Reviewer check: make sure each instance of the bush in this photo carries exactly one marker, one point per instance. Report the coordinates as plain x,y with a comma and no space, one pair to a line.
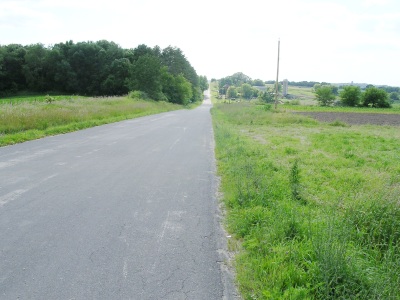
350,96
374,97
138,95
324,95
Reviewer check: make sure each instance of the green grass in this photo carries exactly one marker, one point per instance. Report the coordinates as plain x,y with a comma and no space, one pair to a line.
314,207
36,98
31,119
305,94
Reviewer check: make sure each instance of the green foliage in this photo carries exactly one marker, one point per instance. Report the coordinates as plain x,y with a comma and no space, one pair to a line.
138,95
324,95
266,96
96,68
247,91
375,97
350,95
203,82
236,79
295,181
231,92
146,76
394,96
258,82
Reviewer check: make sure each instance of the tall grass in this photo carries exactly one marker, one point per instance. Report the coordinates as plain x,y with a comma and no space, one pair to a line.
315,207
26,120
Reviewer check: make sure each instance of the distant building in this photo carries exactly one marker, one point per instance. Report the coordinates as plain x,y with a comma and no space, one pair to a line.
285,84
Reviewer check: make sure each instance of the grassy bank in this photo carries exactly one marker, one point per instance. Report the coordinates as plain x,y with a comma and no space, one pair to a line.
31,119
313,208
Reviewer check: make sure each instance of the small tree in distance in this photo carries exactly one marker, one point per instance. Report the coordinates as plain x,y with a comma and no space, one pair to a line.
350,95
247,91
375,97
324,95
231,92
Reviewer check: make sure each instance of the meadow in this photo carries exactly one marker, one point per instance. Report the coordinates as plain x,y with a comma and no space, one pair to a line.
28,118
313,208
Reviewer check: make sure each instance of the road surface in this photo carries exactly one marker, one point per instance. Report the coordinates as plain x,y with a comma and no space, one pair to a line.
120,211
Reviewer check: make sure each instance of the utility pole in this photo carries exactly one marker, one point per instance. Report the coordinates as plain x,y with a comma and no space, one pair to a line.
277,75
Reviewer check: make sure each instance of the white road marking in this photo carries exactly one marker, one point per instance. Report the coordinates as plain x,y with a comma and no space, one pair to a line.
173,145
11,196
125,269
22,159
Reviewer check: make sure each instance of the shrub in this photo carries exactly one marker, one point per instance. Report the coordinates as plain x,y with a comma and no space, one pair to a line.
374,97
324,95
350,95
137,95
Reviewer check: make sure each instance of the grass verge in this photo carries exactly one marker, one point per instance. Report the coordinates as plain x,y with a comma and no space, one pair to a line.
315,208
27,120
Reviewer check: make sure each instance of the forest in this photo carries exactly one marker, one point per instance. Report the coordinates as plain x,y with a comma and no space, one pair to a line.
99,68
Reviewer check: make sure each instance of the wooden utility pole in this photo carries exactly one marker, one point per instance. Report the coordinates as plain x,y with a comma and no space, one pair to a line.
277,75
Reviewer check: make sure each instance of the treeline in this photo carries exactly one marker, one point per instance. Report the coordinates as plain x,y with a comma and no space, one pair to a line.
99,68
242,86
238,79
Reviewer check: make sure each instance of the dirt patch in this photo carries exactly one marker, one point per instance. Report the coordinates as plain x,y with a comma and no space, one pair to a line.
355,118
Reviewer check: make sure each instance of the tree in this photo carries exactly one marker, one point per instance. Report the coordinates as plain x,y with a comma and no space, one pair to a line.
350,95
177,64
258,82
324,95
203,83
394,96
34,67
184,90
231,92
266,96
375,97
176,89
316,86
247,91
146,76
13,59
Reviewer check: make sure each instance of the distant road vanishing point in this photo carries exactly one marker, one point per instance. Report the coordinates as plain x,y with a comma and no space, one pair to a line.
121,211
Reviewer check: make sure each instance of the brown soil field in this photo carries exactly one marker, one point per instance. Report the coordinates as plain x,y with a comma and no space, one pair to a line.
355,118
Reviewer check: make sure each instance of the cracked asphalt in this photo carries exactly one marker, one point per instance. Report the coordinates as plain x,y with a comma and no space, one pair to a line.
121,211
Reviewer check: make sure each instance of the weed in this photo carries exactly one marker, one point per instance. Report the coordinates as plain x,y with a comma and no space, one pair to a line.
295,181
338,123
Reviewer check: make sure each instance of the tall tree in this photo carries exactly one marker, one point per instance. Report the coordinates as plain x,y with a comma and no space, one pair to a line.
146,76
13,59
203,83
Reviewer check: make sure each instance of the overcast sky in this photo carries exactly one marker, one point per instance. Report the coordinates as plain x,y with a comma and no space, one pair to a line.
321,40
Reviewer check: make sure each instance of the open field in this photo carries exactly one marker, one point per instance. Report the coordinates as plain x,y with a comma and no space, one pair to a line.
302,93
355,118
30,119
313,207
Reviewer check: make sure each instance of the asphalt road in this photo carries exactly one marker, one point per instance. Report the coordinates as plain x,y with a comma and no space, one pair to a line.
121,211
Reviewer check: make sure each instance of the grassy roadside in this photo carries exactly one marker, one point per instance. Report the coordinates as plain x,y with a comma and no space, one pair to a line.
313,207
27,120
